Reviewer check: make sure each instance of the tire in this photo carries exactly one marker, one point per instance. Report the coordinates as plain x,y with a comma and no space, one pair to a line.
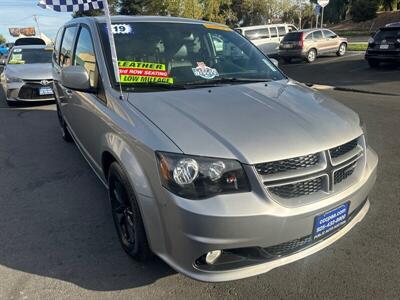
342,49
311,55
373,63
126,215
63,126
10,103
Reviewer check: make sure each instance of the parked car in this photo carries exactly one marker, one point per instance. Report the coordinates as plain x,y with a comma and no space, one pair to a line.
308,44
4,48
214,160
384,46
267,37
27,74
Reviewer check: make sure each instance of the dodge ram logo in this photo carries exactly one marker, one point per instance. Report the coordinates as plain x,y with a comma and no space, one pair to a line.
45,82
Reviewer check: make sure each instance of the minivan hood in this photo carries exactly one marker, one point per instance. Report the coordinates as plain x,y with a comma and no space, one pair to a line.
252,123
30,71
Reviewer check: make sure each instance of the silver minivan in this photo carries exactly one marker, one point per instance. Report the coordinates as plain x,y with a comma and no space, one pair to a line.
214,160
267,37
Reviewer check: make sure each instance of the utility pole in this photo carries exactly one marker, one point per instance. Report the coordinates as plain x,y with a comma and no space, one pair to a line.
37,23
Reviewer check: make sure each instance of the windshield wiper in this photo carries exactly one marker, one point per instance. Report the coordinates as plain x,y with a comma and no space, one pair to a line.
222,80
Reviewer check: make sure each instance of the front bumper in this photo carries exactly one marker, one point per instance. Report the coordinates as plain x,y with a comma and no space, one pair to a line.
295,53
26,92
190,228
389,56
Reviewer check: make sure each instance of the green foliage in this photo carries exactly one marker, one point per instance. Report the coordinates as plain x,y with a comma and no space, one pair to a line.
336,11
388,5
2,39
363,10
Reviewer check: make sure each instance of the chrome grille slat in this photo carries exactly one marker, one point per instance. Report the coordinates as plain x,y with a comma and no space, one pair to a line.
311,177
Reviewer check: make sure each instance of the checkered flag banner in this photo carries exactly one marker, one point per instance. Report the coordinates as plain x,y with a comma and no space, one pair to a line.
71,5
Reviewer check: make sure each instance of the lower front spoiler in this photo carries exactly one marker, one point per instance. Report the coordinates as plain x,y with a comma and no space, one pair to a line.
220,276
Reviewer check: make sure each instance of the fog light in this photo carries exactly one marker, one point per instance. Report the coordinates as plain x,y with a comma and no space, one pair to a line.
212,256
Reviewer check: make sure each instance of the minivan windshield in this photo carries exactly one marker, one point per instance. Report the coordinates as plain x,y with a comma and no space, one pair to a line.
160,55
30,56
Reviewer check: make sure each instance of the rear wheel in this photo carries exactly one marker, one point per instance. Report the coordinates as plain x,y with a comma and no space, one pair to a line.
342,49
373,63
311,55
126,214
63,126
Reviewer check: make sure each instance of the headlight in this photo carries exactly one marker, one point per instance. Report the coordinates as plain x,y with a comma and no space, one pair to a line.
195,177
371,40
13,79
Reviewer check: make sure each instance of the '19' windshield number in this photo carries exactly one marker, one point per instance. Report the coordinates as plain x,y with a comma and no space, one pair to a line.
121,29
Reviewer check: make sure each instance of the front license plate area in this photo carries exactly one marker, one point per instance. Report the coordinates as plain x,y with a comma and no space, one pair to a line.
384,46
328,222
45,91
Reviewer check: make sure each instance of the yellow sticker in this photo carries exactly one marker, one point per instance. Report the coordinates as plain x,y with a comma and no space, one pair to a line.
216,26
141,65
146,79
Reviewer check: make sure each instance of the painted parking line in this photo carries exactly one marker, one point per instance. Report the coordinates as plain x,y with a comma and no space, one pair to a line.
324,60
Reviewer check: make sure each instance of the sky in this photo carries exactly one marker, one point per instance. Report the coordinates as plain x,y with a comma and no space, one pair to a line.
19,13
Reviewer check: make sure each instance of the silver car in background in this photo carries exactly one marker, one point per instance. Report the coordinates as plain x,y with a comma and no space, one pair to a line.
214,160
27,74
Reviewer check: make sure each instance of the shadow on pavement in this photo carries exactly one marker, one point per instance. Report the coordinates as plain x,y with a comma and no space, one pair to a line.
55,217
350,71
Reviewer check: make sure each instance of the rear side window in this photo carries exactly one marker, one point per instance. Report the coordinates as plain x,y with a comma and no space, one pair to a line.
293,36
281,30
85,55
256,34
292,28
57,44
67,46
273,31
317,35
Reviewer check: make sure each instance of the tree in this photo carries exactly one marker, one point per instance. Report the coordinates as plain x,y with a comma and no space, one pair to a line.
388,5
2,39
132,7
363,10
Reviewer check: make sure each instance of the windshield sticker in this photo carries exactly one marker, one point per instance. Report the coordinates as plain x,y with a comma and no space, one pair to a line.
218,27
122,29
269,64
204,72
143,72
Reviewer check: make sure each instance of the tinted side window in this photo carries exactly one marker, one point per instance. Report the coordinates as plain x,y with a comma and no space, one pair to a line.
317,35
66,46
57,44
329,34
309,37
85,55
273,31
281,30
257,34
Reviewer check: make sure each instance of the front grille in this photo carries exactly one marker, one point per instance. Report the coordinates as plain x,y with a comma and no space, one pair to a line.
307,241
296,163
31,91
298,189
343,149
344,173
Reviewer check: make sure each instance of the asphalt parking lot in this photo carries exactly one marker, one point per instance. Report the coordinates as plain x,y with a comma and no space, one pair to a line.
58,240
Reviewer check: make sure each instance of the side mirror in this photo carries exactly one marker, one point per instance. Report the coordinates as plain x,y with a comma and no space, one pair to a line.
76,78
274,61
334,36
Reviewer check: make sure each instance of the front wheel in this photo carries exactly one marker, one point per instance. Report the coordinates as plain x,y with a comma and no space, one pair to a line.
342,49
311,55
126,214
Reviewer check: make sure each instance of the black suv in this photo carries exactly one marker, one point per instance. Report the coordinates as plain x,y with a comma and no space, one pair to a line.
384,46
